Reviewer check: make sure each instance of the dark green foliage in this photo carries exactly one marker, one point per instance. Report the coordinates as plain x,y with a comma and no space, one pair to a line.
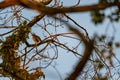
11,60
97,17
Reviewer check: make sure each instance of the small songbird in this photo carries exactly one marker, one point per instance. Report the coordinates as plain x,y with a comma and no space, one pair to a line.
36,38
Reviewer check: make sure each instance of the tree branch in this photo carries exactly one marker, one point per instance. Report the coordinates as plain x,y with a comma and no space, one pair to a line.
87,52
50,10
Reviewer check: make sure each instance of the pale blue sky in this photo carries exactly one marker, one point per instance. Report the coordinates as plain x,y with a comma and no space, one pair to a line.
66,61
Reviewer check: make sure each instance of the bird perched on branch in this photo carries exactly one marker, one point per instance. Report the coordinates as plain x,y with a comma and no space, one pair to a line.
45,2
36,38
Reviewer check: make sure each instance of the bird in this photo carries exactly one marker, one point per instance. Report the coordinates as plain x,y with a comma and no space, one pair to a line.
36,38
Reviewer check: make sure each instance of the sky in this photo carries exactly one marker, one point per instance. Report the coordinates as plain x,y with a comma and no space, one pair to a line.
66,61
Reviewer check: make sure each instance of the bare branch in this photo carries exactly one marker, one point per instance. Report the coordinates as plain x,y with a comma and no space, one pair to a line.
87,52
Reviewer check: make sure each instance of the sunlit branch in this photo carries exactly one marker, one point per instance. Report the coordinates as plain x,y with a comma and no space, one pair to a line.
50,10
87,52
